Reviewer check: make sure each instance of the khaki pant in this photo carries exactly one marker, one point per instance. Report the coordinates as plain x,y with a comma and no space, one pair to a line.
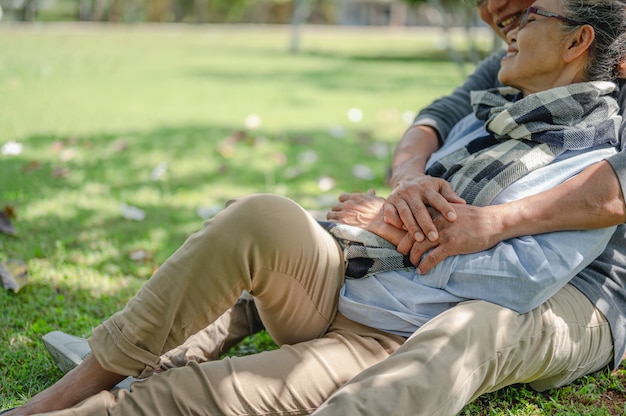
475,348
269,247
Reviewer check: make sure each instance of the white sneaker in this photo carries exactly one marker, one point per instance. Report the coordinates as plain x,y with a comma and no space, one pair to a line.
68,351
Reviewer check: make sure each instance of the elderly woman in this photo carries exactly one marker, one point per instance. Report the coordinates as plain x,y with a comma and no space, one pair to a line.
270,247
519,142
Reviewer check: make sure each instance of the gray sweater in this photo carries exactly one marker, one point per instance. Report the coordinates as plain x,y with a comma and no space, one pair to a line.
604,280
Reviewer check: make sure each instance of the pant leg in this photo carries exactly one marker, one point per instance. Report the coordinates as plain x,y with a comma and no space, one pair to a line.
210,343
478,347
264,244
293,380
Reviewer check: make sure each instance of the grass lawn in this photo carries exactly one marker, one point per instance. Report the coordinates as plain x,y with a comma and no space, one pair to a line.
175,121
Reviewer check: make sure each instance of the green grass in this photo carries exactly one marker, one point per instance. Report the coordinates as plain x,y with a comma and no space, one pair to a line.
98,108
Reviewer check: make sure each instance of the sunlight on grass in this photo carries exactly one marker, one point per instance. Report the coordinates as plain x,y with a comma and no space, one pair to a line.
175,121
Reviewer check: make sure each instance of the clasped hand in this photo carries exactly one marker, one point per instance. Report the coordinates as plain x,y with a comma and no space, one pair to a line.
423,218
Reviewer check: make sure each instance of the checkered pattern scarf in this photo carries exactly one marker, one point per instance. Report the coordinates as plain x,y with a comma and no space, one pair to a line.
527,134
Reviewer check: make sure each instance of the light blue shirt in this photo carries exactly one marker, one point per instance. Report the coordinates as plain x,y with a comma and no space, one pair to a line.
520,273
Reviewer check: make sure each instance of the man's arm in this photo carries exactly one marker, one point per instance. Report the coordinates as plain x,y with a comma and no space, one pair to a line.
406,207
592,199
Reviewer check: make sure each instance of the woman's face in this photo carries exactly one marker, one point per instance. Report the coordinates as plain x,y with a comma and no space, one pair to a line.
534,60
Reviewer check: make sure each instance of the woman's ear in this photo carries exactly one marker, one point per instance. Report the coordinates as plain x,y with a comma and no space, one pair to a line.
579,43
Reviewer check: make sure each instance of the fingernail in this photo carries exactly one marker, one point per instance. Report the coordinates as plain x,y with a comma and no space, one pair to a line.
419,237
432,236
452,215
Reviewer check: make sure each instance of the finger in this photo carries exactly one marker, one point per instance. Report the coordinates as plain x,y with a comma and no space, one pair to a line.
425,222
431,259
441,204
344,197
411,216
419,249
405,245
448,192
391,216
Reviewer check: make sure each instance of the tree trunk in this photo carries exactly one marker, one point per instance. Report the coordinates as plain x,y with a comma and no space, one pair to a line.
301,11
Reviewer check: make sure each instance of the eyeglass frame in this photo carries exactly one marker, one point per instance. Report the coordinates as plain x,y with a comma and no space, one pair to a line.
523,20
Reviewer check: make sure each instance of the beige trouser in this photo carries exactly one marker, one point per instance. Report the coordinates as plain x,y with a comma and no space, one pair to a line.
270,247
471,349
475,348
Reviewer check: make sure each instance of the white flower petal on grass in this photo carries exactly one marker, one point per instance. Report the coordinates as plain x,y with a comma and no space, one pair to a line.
159,171
326,183
355,115
326,200
12,148
408,117
209,212
253,121
293,172
379,150
308,157
337,132
132,213
363,172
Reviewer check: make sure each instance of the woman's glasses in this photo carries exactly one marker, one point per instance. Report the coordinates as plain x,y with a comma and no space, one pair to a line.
523,20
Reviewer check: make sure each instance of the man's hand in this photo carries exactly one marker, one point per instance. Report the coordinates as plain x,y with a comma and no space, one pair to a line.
407,206
475,229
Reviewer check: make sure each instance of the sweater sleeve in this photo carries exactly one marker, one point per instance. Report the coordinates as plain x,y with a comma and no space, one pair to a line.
445,112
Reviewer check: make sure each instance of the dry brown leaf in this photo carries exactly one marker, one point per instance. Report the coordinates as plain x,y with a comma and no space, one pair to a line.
61,172
31,166
5,224
10,211
14,274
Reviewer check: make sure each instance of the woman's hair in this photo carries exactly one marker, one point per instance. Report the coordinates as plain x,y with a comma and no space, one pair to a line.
608,19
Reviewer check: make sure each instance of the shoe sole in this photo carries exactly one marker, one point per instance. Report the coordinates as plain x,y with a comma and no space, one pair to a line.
56,343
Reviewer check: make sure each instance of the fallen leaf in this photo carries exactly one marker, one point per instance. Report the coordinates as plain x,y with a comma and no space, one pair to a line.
132,213
10,211
14,274
363,172
62,172
57,146
5,224
31,166
159,171
208,212
308,157
12,148
119,145
355,115
326,183
253,121
140,255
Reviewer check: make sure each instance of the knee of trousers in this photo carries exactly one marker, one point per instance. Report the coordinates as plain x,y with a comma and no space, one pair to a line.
269,223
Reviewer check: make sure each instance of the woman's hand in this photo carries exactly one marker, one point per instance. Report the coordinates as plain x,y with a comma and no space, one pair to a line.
358,210
365,211
408,206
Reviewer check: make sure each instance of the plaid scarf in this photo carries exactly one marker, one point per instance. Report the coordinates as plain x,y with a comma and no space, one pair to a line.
525,134
528,134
